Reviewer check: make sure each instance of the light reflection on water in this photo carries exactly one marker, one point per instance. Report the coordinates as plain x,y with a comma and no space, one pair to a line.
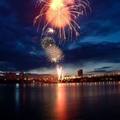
60,104
17,96
73,101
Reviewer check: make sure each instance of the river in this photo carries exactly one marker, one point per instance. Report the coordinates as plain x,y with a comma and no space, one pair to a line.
73,101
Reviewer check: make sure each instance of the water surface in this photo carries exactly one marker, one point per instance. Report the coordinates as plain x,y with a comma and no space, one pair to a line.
87,101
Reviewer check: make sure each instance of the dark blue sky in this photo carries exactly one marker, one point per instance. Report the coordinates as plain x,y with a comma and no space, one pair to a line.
98,47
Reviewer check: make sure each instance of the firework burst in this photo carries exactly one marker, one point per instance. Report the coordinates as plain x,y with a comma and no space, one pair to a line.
60,74
53,52
61,16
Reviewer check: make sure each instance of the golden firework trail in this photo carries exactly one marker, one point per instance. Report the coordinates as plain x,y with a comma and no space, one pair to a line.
60,74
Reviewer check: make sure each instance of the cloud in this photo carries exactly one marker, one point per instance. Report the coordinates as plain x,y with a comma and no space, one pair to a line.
107,52
103,69
7,66
103,20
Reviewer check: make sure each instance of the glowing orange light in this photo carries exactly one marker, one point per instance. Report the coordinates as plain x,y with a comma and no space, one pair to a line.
58,15
62,16
56,4
69,2
60,109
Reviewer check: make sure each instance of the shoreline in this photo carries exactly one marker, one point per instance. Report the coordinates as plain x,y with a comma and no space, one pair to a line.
39,82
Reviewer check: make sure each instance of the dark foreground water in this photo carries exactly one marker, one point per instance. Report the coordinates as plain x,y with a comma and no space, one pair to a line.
91,101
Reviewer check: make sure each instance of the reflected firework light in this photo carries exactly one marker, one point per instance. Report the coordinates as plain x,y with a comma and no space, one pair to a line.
53,52
61,15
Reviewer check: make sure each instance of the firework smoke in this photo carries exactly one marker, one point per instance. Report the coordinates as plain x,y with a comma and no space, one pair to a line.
53,52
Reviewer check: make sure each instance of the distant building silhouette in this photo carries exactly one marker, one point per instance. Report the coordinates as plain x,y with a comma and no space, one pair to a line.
80,72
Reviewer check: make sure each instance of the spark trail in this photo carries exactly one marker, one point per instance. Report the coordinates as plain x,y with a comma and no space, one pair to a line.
61,16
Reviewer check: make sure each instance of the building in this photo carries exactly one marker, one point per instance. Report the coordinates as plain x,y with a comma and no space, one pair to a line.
80,72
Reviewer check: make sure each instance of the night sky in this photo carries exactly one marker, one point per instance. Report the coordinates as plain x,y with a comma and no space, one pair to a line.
97,49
